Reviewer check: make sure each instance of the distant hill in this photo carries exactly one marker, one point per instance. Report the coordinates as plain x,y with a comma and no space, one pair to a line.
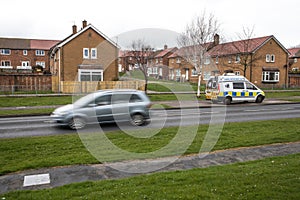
154,37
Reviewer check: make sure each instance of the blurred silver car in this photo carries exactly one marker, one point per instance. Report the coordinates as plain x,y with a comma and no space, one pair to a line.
105,106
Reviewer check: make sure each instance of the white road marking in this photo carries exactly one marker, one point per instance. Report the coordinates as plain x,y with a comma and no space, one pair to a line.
38,179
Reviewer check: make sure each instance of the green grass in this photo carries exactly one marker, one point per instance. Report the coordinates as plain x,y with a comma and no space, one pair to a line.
271,178
23,112
34,101
49,151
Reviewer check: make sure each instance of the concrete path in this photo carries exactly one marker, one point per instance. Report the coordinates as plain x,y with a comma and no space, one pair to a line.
58,176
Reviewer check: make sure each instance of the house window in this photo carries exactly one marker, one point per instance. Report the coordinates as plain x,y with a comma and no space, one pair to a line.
5,51
178,72
217,59
86,53
295,60
90,75
194,72
154,70
270,58
25,63
94,53
39,63
237,73
25,52
207,61
39,52
5,63
270,76
149,71
178,60
237,58
229,59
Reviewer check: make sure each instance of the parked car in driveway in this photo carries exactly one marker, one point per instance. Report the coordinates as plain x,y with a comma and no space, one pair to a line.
105,106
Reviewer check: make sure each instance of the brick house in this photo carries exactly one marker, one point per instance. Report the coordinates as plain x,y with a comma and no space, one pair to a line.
25,64
262,60
23,55
294,67
85,55
158,64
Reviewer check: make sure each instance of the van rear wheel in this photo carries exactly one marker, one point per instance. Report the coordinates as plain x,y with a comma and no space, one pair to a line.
227,100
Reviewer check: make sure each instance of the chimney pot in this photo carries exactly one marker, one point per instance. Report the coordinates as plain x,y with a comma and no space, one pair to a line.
84,23
74,27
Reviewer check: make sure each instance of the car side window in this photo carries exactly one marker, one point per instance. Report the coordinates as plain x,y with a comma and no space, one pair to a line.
135,98
238,86
249,86
103,100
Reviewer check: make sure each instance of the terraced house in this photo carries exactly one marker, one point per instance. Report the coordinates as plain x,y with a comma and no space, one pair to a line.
263,60
24,62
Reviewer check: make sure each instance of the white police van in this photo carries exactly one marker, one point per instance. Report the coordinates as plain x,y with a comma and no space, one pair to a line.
230,88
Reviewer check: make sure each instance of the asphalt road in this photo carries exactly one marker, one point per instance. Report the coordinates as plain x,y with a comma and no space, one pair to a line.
40,125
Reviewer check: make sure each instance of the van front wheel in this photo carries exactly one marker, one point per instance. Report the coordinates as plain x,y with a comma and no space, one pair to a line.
227,100
259,99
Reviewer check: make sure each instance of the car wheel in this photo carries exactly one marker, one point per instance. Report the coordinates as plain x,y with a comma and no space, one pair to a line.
77,123
227,100
137,119
259,99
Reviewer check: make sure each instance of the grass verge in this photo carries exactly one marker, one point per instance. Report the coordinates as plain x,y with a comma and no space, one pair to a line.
271,178
49,151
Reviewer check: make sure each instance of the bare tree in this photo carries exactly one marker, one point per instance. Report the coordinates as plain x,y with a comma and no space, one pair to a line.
196,41
244,48
141,52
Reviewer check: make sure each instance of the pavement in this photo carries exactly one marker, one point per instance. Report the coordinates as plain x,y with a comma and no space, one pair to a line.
59,176
62,175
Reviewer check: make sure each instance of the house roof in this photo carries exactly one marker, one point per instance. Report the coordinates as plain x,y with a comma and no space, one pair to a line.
43,44
165,52
19,43
235,47
71,37
294,52
240,46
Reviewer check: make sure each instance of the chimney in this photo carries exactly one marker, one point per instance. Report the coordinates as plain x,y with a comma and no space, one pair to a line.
84,23
74,27
216,39
166,46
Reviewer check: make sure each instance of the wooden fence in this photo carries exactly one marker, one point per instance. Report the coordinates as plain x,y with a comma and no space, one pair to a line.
91,86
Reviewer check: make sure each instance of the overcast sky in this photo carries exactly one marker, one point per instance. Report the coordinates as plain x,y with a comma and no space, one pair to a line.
54,19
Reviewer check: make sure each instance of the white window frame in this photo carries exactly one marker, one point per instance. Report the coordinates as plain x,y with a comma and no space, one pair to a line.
207,61
178,72
5,51
85,53
39,52
154,70
93,53
272,58
194,72
266,75
5,63
25,63
41,63
238,73
90,72
237,58
25,53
